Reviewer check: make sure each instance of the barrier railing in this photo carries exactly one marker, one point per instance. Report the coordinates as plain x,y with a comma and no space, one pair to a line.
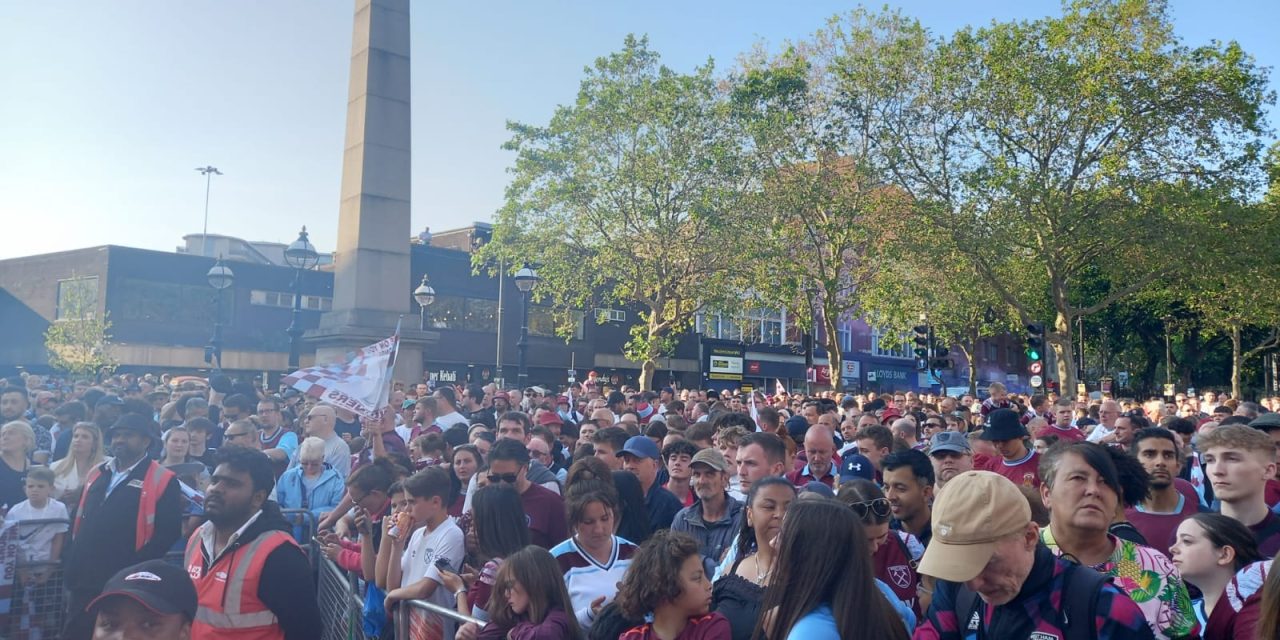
36,606
414,617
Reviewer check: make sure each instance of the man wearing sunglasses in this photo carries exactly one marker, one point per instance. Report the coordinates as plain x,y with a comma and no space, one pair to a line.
543,508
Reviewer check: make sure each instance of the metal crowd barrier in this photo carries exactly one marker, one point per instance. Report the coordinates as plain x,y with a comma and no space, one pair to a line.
341,596
412,615
35,607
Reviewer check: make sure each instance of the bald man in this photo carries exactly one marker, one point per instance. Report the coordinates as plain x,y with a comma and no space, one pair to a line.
819,448
905,430
320,423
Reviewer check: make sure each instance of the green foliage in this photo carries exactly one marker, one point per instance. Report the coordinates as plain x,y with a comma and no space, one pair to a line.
79,342
628,197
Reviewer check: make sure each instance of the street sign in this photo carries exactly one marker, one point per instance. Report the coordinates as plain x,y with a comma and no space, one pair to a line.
1036,368
1169,390
1123,378
1036,381
1081,389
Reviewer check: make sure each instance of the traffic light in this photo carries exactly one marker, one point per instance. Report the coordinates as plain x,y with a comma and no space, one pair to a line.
922,347
1035,341
940,359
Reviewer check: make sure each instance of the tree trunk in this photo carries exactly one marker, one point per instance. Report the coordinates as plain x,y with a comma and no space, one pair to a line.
968,350
835,359
646,373
1236,362
1063,349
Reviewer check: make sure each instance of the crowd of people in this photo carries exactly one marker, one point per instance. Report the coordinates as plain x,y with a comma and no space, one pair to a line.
589,512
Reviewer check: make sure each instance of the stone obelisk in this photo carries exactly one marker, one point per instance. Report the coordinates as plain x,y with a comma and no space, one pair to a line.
371,285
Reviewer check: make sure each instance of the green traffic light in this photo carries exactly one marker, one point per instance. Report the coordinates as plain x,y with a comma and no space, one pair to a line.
1033,354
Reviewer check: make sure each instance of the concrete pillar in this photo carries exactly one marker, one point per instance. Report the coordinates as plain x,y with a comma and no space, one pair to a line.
371,287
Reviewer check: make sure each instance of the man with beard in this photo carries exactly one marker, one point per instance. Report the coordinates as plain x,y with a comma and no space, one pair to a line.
716,517
1157,518
247,542
129,512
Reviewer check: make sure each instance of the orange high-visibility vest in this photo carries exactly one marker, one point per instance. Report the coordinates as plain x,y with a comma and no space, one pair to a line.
153,485
227,592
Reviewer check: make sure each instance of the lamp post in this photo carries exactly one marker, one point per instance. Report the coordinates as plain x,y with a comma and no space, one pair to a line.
220,277
525,278
302,256
208,172
425,295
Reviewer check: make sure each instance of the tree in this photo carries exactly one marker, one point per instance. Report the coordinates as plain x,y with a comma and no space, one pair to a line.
79,340
818,221
1063,149
628,197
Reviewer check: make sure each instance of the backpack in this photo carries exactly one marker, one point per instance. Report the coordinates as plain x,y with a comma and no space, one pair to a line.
1080,595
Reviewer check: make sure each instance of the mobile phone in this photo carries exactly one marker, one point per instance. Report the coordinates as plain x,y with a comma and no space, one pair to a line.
443,563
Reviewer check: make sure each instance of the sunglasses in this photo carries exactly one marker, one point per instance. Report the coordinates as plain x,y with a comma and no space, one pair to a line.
879,507
508,478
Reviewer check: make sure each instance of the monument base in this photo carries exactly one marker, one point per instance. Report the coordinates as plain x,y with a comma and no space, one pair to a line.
333,343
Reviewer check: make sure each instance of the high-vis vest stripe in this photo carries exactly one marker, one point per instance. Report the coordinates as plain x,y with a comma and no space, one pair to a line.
153,485
227,592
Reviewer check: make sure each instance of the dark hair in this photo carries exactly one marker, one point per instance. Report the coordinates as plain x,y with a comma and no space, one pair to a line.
656,430
679,447
1155,432
586,492
654,575
238,401
430,442
861,491
747,534
920,465
432,482
1234,419
471,449
843,576
22,391
511,450
498,519
1225,531
375,476
199,424
541,577
633,516
774,450
1179,425
1094,455
588,468
526,425
250,461
615,436
732,419
137,406
881,435
74,410
448,395
1135,482
699,431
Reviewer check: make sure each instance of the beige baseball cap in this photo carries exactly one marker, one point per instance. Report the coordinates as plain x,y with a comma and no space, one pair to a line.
973,511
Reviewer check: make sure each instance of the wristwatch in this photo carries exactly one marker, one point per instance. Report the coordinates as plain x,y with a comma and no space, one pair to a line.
459,592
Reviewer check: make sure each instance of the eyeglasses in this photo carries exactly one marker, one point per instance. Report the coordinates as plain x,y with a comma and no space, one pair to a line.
231,436
311,463
879,507
508,478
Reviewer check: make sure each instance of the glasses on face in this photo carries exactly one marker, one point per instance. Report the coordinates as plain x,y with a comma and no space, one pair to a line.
879,507
233,436
507,478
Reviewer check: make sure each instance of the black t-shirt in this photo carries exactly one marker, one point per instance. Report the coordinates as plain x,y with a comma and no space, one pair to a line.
13,485
343,427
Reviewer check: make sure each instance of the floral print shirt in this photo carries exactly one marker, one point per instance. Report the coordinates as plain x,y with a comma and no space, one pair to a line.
1150,579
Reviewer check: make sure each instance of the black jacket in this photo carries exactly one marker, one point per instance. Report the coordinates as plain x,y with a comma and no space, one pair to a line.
106,541
285,586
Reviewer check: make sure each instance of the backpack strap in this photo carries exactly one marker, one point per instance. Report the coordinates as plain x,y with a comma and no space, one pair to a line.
1080,589
965,607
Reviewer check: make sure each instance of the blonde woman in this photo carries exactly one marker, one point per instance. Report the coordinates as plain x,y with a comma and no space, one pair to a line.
84,454
17,441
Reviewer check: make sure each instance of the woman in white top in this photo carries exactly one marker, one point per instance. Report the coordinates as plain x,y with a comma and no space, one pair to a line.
83,455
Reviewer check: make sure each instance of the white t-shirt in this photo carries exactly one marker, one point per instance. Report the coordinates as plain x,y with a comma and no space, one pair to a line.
35,541
422,552
449,419
1099,432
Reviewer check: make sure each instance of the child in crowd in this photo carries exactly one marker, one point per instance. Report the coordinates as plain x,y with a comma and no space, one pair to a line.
41,528
414,566
666,579
530,601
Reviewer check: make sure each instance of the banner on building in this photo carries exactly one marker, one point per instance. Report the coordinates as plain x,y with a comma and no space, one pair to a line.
361,385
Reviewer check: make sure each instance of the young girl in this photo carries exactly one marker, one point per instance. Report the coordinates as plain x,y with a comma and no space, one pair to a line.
498,522
529,600
1209,550
666,579
593,559
825,595
740,588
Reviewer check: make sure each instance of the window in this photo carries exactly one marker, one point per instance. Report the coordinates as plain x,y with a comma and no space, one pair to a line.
610,315
755,327
77,298
542,322
169,303
894,346
845,334
285,300
991,353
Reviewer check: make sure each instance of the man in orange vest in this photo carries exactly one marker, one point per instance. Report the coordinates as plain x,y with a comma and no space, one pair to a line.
130,511
252,580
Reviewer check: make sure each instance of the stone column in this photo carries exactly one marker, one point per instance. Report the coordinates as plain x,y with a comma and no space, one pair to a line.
371,287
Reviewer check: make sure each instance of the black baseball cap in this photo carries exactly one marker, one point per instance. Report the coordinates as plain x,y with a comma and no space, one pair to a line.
154,584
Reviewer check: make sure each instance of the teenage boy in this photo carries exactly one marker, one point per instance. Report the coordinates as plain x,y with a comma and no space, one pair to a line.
1017,462
1239,460
414,569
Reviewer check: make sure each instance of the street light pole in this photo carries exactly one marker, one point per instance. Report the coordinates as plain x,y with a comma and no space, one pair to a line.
208,173
525,278
220,277
302,256
425,294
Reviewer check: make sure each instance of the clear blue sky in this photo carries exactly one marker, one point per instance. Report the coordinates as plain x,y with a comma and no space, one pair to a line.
108,106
